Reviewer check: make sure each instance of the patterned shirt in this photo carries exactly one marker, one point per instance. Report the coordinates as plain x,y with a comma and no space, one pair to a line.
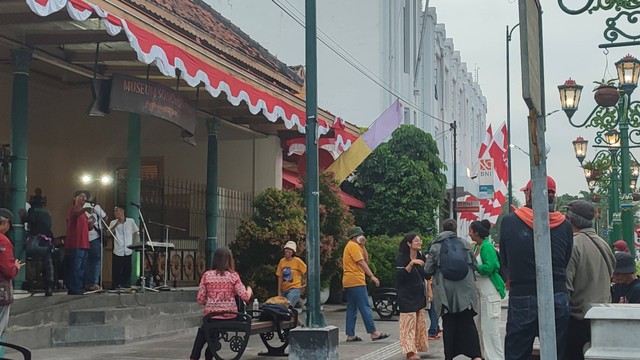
217,292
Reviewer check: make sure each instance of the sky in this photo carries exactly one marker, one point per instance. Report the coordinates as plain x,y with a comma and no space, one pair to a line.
570,50
477,28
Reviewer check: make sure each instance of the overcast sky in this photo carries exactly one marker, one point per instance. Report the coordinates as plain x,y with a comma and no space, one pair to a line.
570,50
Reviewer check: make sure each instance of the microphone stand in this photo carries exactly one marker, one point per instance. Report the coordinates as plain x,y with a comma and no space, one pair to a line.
143,284
166,250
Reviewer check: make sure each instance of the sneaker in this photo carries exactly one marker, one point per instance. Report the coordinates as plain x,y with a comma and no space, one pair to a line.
93,287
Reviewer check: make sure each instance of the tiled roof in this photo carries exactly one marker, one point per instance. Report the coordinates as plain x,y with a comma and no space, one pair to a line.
201,16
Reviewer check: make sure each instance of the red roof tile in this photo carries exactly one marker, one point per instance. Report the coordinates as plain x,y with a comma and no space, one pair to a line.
201,16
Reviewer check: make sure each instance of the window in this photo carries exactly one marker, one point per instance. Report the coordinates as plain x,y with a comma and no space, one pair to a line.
407,116
407,36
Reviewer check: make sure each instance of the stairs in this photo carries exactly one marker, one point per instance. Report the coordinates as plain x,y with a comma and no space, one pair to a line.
101,319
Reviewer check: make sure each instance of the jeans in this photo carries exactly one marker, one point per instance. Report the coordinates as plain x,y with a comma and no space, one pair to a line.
293,295
76,262
92,275
358,299
522,325
433,321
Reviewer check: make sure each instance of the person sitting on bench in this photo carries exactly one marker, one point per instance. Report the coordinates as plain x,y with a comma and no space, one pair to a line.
218,288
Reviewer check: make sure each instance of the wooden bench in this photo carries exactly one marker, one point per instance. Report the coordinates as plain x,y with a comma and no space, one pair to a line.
235,333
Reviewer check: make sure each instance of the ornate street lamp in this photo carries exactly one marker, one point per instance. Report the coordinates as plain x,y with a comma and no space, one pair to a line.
592,184
633,184
628,69
570,96
580,148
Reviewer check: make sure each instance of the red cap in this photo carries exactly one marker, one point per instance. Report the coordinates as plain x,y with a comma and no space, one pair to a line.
551,185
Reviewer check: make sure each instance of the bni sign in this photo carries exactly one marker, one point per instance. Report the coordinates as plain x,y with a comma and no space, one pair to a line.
485,179
468,206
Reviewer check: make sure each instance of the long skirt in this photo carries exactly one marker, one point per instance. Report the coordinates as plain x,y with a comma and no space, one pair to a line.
413,332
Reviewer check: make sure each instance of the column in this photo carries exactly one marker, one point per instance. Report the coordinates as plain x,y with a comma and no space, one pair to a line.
212,191
20,59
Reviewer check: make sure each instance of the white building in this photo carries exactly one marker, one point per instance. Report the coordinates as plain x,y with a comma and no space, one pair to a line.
381,39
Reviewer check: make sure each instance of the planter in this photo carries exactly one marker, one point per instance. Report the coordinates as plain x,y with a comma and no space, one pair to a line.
324,295
606,95
595,174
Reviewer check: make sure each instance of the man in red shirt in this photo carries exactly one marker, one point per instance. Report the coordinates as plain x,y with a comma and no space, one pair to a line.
9,266
76,244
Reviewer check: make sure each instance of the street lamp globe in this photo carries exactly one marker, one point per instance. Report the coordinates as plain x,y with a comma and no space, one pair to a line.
580,148
628,69
570,96
587,174
612,138
635,169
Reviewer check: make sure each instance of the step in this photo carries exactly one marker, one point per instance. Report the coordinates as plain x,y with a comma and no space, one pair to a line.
102,316
121,333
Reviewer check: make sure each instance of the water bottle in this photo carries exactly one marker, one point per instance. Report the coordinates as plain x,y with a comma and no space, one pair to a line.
256,305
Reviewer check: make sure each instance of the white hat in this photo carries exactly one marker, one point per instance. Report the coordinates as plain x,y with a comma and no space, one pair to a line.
87,206
291,245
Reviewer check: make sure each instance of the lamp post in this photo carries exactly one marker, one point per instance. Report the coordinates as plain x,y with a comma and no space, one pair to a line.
614,114
509,33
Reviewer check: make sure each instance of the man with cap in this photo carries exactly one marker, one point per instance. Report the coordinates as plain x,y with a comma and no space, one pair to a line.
355,264
625,276
518,257
76,244
588,274
291,273
9,266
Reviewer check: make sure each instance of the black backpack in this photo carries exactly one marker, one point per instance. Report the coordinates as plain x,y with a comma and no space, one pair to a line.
454,259
275,312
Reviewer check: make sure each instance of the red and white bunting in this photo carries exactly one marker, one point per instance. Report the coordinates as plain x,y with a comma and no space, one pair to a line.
193,69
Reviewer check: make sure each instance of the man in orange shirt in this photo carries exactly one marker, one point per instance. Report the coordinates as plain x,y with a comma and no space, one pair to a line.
355,264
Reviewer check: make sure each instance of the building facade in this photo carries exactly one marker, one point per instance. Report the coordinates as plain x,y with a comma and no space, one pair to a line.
372,52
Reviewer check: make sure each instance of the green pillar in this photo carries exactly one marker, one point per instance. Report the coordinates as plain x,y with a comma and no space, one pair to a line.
20,59
212,191
625,170
314,316
133,184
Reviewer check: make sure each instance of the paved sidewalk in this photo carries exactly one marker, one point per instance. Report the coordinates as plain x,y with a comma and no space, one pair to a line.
179,346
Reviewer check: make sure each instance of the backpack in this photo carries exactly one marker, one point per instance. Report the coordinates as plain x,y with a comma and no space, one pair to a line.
275,312
454,259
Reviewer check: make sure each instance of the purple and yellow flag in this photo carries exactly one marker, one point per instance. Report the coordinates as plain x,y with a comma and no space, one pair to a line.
381,129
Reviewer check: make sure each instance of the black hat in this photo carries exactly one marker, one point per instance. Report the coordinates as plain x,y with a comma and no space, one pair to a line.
625,263
582,208
86,193
6,214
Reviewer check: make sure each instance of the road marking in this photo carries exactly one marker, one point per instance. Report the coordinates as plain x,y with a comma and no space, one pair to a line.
386,352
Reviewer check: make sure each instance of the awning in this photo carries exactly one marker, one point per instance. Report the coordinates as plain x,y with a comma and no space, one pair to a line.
291,180
193,70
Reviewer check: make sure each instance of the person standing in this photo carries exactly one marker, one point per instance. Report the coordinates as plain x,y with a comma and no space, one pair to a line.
76,244
95,216
412,290
518,256
355,264
625,276
434,327
491,290
588,275
9,268
451,264
126,233
39,243
291,274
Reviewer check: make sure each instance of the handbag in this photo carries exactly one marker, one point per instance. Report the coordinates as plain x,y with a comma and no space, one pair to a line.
6,292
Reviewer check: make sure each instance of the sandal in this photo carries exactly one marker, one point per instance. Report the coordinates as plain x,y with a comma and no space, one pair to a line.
381,336
354,339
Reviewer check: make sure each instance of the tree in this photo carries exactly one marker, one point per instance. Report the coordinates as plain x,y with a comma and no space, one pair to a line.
403,184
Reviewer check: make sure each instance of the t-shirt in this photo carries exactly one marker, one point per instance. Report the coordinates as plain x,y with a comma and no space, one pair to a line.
353,275
92,218
77,229
291,272
124,236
